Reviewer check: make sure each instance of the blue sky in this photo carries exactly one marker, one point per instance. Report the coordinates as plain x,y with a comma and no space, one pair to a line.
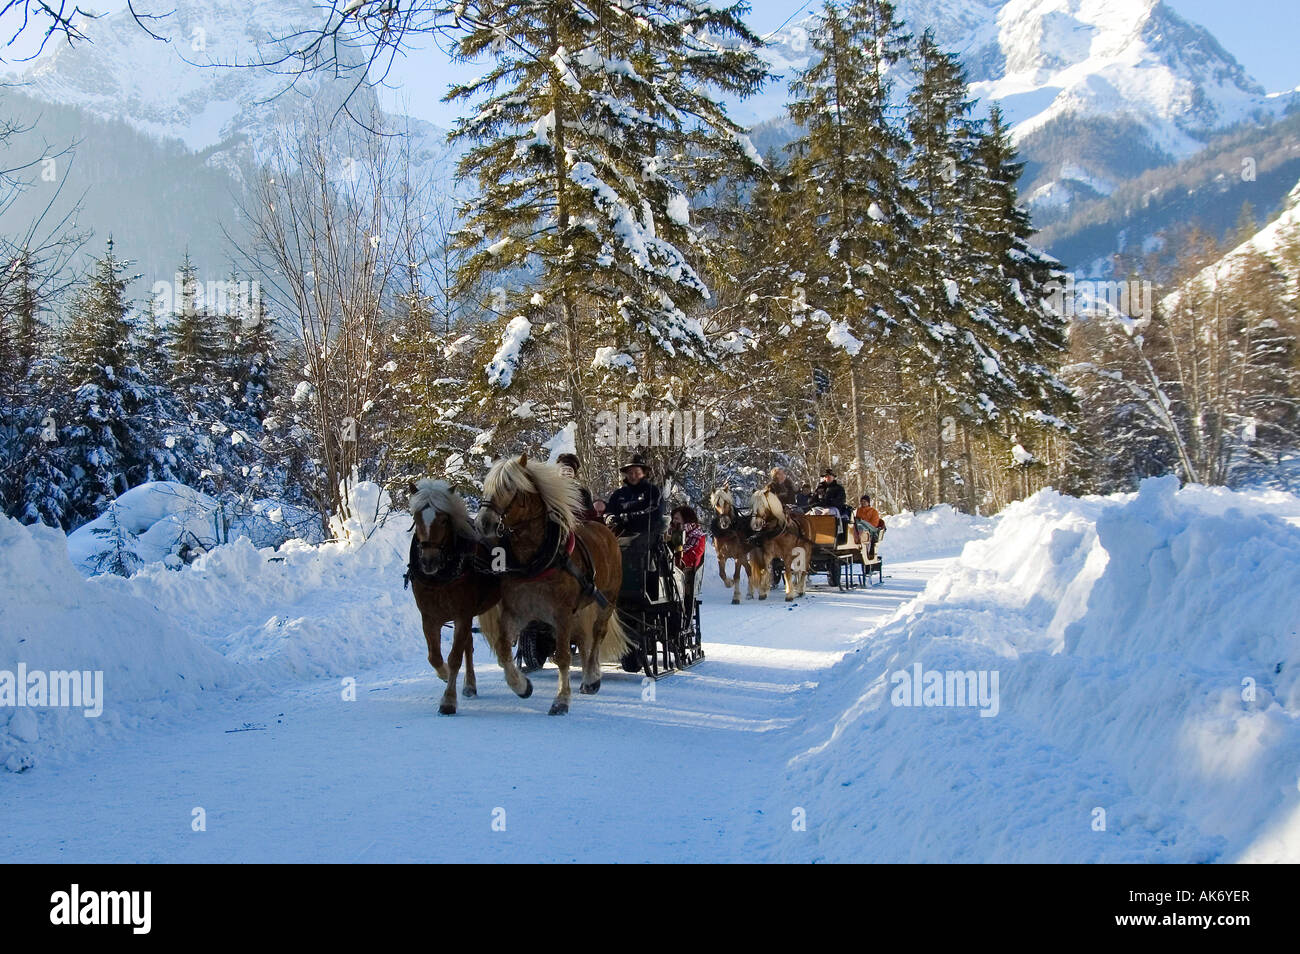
1264,35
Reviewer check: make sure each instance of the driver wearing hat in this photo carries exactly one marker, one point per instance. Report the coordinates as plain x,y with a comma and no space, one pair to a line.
634,508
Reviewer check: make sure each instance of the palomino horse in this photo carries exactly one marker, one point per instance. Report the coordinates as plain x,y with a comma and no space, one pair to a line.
558,569
447,587
784,536
730,531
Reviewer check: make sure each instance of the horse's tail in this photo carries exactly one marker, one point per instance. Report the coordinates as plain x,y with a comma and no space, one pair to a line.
616,642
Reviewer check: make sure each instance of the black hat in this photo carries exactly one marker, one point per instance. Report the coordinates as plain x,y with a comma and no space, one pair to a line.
637,460
828,472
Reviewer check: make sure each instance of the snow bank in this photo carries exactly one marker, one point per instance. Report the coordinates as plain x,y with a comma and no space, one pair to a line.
940,532
239,617
303,611
1146,654
164,516
54,620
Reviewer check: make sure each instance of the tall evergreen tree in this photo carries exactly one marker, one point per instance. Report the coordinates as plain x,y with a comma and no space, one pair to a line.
849,166
953,380
1017,290
592,126
103,439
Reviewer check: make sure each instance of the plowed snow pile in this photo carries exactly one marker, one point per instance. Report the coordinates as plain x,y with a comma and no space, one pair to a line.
53,620
1146,655
239,617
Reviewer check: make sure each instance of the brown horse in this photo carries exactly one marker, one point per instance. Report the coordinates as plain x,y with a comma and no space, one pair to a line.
789,542
730,531
447,587
557,569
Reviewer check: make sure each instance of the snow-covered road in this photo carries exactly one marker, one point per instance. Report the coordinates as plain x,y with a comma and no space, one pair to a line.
693,773
1143,710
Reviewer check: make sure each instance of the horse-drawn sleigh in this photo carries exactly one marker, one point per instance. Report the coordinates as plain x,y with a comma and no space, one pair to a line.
528,564
771,546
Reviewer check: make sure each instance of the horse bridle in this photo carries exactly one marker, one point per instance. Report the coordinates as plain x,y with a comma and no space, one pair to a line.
442,569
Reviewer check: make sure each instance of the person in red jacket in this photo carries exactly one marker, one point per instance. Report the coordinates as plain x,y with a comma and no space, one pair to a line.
687,539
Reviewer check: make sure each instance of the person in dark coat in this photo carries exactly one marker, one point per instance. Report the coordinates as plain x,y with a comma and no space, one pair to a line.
637,506
830,493
570,465
803,499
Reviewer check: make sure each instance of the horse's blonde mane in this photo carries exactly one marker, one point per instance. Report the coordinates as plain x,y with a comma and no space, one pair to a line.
438,496
720,496
559,493
766,504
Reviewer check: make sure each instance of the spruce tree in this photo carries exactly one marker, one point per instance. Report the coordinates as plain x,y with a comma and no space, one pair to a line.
849,167
592,127
1017,291
104,440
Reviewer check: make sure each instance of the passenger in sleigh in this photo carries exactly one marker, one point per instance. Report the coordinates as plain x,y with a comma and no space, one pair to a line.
829,498
686,539
569,465
867,522
636,508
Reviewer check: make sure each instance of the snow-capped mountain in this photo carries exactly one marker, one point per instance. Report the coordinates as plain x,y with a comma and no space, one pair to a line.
1096,90
181,89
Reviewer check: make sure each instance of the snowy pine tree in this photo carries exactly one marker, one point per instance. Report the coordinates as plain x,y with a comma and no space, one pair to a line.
849,168
104,438
591,127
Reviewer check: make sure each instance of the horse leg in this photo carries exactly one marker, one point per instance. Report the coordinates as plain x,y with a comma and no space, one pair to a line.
722,570
561,623
462,636
763,569
471,684
433,636
796,569
496,625
591,653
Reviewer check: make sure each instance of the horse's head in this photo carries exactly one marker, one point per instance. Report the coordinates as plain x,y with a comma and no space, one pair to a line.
519,492
438,516
723,507
766,508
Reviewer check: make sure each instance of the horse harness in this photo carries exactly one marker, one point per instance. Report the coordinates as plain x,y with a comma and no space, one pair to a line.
717,531
555,553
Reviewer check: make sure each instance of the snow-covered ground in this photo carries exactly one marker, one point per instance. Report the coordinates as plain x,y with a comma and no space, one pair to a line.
1145,709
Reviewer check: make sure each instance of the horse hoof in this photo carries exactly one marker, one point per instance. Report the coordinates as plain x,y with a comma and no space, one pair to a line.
736,601
528,689
763,597
590,690
442,672
469,692
559,708
447,708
